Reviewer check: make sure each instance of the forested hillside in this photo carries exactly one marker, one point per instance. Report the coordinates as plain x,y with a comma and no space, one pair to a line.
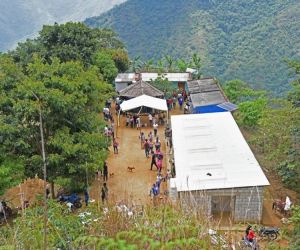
242,39
23,19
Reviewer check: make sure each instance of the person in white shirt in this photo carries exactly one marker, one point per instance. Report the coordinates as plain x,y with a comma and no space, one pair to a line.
138,122
150,119
155,127
106,130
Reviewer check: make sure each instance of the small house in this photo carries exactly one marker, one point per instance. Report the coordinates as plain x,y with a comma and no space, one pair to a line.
215,167
207,96
178,80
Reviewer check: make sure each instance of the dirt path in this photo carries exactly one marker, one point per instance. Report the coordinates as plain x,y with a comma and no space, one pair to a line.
124,185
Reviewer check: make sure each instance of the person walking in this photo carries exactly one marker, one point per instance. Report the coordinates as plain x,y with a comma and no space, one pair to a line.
159,164
104,192
86,197
105,171
127,120
154,191
155,127
112,129
115,145
150,136
180,102
150,146
146,147
138,122
150,119
153,160
131,122
157,144
142,138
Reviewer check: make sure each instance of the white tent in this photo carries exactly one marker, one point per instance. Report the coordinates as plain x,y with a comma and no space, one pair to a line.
145,101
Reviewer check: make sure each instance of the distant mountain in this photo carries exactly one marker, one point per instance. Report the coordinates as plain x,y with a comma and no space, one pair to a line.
20,19
237,39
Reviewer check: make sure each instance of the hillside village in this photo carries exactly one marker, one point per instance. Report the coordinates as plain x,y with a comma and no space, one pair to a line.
99,154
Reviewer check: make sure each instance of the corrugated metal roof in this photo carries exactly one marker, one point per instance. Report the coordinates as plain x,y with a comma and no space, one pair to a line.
140,88
207,98
211,153
205,92
228,106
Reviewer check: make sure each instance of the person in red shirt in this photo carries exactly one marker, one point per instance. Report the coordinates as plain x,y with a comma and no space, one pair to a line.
250,235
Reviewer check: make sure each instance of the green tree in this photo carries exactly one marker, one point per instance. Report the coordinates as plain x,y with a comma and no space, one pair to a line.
238,91
169,63
11,172
250,112
182,65
162,83
197,65
160,66
136,64
106,66
294,94
70,98
121,59
69,42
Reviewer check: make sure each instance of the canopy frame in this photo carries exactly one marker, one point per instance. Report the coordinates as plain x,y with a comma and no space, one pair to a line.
144,101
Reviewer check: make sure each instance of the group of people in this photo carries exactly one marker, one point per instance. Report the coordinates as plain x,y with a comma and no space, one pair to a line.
182,98
134,121
155,189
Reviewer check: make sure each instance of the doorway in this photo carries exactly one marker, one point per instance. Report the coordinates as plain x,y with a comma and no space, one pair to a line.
222,208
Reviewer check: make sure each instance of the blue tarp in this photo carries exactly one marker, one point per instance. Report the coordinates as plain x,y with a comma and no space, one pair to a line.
208,109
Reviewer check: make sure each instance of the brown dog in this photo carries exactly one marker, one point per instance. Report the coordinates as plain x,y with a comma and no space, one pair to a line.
130,169
111,174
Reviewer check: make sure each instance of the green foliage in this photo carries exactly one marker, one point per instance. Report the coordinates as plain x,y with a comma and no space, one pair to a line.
73,42
197,65
277,138
250,112
163,227
63,228
295,237
106,66
251,103
243,39
163,84
70,98
181,65
294,94
63,73
121,59
238,91
11,173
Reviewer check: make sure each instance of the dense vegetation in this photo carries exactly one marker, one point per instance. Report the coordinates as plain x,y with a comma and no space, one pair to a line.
163,228
272,126
65,74
245,40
